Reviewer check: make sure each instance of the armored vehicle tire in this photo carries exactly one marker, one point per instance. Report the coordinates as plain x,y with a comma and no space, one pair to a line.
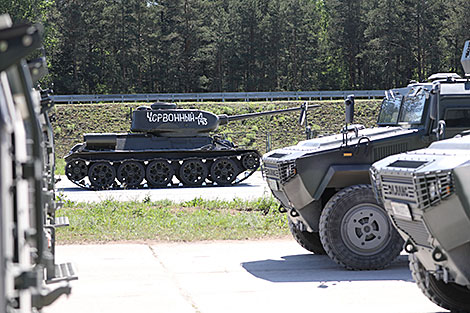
101,175
449,296
356,232
224,171
159,173
131,173
193,172
76,170
308,241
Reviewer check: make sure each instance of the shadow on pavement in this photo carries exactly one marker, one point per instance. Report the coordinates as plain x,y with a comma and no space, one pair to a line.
319,268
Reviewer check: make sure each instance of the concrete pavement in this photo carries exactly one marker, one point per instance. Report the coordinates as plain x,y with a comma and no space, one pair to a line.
230,276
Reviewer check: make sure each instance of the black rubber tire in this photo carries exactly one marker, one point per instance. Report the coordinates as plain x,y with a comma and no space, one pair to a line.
309,241
193,172
224,171
450,296
76,170
131,173
101,175
356,232
159,173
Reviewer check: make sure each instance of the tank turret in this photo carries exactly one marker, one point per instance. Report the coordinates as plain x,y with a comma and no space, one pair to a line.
167,147
165,119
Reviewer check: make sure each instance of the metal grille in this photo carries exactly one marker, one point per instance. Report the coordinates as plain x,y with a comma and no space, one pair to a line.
282,172
382,152
433,187
286,171
416,230
398,187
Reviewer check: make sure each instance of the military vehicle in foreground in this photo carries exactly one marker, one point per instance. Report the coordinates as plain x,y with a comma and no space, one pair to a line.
27,204
164,143
427,196
323,184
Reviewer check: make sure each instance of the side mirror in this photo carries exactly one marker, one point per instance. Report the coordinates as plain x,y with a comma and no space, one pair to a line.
434,105
349,106
303,113
465,60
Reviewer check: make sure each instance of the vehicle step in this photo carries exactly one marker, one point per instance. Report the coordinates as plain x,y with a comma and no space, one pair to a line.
63,272
61,221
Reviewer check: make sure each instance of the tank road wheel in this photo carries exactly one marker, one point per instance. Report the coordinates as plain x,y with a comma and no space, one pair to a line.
101,175
356,231
131,173
159,173
76,170
307,240
250,161
224,171
450,296
193,172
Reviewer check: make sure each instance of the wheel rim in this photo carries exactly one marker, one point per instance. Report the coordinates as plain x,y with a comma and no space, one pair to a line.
159,173
223,171
193,172
250,161
101,174
366,229
76,170
131,173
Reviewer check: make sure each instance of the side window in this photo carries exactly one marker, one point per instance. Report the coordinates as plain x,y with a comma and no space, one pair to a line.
457,118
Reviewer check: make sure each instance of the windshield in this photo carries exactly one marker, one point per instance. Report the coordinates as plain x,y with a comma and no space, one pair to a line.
409,109
413,106
390,109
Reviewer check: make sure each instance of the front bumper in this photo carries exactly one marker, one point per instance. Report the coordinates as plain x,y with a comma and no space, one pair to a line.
430,216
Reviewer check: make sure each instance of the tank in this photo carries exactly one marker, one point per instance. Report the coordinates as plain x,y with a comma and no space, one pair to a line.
426,193
166,147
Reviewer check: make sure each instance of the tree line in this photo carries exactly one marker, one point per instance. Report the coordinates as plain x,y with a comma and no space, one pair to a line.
144,46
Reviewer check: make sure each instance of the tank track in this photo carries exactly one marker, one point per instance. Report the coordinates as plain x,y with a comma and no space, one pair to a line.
132,173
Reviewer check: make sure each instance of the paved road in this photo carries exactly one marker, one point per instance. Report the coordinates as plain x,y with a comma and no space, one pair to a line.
230,276
253,187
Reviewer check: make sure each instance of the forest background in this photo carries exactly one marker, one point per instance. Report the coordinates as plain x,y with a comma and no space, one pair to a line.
165,46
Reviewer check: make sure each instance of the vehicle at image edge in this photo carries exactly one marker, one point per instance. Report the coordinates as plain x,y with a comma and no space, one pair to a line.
165,143
427,196
323,183
27,202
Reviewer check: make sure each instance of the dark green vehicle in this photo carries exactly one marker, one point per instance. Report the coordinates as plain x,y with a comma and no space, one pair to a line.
323,184
427,195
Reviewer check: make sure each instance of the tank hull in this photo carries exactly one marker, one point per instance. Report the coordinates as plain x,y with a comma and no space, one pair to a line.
114,161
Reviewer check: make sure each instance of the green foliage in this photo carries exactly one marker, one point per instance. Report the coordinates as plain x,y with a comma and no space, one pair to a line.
245,45
167,221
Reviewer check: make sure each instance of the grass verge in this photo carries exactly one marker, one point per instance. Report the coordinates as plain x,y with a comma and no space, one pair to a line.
193,220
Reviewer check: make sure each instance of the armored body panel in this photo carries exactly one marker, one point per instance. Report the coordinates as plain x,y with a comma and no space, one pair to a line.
427,195
27,205
323,183
167,147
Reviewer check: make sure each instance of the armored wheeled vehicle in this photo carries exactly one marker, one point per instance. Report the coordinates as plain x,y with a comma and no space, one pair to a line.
427,196
164,143
426,193
323,183
27,205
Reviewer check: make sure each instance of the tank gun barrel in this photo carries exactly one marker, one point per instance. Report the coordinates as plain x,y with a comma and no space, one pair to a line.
225,119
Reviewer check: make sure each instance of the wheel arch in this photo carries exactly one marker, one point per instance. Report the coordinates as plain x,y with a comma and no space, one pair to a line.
340,176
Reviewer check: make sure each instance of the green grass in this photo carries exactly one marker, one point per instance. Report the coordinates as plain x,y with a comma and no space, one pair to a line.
59,166
193,220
